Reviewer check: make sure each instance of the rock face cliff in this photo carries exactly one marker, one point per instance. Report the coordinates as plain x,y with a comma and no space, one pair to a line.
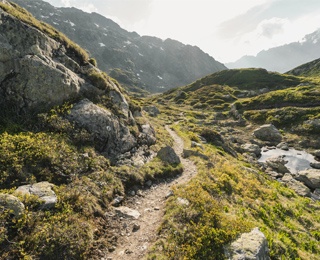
38,72
141,61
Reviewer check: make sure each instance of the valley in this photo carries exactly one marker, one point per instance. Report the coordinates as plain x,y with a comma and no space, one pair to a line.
89,170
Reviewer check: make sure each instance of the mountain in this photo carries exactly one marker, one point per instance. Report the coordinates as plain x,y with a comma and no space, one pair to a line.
135,61
310,69
202,171
283,58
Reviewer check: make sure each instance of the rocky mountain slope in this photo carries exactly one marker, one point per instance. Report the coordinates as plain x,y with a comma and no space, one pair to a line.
283,58
135,61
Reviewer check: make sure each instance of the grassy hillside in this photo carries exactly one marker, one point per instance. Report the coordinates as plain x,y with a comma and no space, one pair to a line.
231,195
310,69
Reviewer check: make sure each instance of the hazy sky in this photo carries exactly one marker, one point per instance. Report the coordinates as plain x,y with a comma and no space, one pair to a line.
226,29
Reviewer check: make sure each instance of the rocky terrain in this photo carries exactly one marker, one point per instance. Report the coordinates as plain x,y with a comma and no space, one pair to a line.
283,58
226,167
137,62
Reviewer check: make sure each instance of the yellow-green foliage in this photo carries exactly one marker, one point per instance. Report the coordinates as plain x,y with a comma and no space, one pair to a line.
304,96
23,15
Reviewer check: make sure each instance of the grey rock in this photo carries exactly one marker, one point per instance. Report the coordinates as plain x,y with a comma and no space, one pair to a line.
183,202
277,164
43,190
152,110
13,204
283,146
315,165
135,227
167,154
114,135
310,177
147,135
195,144
316,153
127,212
314,124
117,200
268,133
297,186
249,246
251,148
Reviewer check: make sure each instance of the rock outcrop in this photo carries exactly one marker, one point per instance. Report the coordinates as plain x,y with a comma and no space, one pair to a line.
39,70
310,177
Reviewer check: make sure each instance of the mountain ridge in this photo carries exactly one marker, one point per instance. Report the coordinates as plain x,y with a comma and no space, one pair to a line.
144,61
283,58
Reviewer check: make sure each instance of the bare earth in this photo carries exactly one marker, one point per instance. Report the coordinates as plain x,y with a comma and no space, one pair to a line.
137,235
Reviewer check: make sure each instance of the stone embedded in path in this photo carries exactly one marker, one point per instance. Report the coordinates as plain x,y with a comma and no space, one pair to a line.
127,212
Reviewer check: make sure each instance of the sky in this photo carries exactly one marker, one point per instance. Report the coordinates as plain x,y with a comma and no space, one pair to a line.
225,29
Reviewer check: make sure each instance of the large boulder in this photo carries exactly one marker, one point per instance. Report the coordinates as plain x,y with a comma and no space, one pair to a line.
310,177
43,190
249,246
113,135
12,203
167,154
268,133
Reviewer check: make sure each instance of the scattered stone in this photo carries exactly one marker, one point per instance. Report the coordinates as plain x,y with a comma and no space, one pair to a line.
12,203
135,227
140,193
273,174
169,194
315,165
132,193
183,202
43,190
156,208
251,148
250,246
127,212
117,200
297,186
310,177
167,154
195,144
268,133
283,146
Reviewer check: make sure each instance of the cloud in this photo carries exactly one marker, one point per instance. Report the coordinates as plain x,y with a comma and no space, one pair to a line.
271,27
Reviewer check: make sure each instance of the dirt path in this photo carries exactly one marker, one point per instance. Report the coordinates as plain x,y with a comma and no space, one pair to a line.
139,234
